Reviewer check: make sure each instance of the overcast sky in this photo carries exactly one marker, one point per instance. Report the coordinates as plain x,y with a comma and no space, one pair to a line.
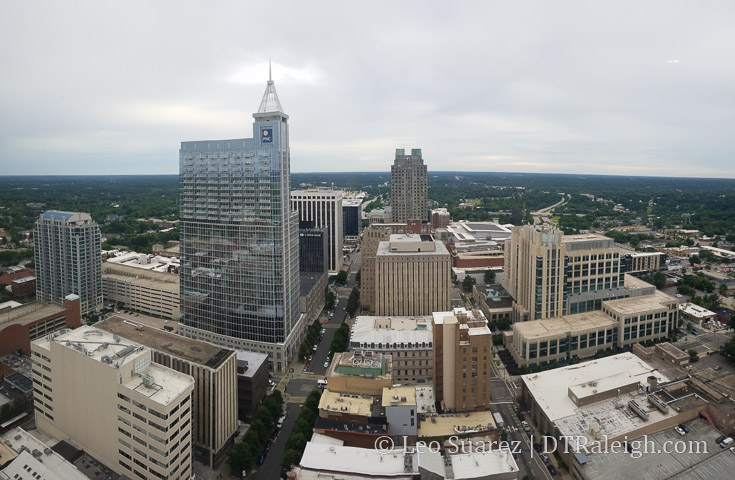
630,88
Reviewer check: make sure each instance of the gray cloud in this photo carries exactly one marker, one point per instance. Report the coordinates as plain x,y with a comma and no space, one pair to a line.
568,87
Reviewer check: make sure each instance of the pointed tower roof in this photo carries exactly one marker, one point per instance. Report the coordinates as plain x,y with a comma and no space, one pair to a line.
270,102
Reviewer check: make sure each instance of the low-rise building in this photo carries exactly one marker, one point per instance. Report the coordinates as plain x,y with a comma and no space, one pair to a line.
620,323
214,371
23,287
24,456
407,339
21,325
694,313
360,372
137,415
401,411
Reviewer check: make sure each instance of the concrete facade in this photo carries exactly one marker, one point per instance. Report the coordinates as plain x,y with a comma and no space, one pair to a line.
412,276
104,395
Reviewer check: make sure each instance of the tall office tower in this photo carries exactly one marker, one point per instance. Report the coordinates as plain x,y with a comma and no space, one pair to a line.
103,394
324,209
550,274
408,187
412,276
239,240
68,259
352,216
313,250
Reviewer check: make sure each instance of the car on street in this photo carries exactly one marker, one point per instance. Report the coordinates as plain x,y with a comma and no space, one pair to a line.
544,457
551,469
680,431
684,427
279,424
526,426
326,364
262,456
308,364
537,447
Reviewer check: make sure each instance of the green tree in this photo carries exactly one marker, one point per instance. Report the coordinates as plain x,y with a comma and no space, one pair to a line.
723,288
489,276
341,277
728,349
291,458
468,282
693,355
330,299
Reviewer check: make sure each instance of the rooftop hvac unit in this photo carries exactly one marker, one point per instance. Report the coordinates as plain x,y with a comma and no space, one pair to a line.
148,380
638,410
658,403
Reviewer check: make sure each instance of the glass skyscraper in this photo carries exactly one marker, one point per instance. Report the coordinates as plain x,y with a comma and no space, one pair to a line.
239,239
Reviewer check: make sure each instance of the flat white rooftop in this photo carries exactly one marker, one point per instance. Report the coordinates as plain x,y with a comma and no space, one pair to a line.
49,464
695,311
550,388
392,330
366,461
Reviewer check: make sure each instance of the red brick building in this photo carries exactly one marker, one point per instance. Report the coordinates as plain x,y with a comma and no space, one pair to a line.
21,325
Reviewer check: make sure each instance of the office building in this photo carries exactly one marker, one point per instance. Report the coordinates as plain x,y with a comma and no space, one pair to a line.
252,383
323,208
440,218
352,218
462,360
412,276
104,394
68,259
215,386
550,274
408,187
313,250
371,238
619,323
407,339
643,262
239,240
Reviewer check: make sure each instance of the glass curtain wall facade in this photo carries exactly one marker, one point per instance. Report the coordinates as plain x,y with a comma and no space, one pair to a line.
239,238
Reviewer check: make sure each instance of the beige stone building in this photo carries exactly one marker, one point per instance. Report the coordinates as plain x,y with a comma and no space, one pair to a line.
620,323
550,274
407,339
103,394
360,372
462,360
409,187
412,276
214,370
155,293
371,238
641,262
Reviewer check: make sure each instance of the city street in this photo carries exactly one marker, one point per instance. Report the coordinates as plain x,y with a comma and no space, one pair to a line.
271,468
503,393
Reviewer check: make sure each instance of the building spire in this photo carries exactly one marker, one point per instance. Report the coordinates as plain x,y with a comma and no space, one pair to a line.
270,102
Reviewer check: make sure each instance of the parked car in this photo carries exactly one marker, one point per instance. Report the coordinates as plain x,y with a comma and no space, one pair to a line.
537,447
544,457
279,424
261,458
326,364
684,427
526,426
551,469
268,445
680,431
